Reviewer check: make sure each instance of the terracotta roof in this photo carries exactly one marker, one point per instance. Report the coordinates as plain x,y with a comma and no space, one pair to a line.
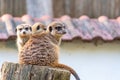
83,27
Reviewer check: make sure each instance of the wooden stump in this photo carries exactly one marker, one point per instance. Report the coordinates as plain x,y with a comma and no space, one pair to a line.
15,71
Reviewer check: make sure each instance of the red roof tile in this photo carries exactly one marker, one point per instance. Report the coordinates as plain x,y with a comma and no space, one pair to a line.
8,20
83,27
71,30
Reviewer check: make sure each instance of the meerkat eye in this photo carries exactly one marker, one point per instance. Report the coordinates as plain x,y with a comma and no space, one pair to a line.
50,29
26,29
20,29
58,28
38,27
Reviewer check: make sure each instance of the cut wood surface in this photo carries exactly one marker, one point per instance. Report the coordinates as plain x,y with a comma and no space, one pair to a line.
15,71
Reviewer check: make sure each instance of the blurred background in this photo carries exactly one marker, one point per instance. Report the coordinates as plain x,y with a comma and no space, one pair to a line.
57,8
92,44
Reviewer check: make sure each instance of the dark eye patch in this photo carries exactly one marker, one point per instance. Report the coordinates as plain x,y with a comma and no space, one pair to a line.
20,29
38,27
58,28
26,28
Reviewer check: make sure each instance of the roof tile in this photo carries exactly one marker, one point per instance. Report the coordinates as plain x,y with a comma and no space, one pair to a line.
3,36
8,20
27,19
70,27
83,27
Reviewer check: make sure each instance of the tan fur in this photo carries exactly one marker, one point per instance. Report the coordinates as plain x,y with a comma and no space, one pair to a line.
21,37
57,35
39,50
43,48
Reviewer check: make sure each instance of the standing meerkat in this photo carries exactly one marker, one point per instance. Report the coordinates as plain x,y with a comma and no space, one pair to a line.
23,34
43,47
58,29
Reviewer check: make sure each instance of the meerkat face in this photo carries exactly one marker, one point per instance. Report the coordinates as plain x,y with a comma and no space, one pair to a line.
23,30
38,28
57,29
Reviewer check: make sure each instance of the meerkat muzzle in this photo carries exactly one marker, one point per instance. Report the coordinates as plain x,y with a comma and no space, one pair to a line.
24,32
64,32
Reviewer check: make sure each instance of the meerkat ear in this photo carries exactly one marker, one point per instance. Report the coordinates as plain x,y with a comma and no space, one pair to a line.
50,29
30,29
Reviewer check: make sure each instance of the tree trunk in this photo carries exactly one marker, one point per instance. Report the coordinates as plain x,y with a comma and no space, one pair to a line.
15,71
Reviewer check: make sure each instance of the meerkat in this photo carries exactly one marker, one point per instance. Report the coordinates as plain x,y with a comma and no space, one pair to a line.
23,34
43,47
58,29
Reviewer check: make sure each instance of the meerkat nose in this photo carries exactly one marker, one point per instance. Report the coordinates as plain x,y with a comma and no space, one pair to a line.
64,32
24,32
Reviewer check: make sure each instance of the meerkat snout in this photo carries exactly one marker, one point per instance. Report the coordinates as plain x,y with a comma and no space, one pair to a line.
24,32
60,29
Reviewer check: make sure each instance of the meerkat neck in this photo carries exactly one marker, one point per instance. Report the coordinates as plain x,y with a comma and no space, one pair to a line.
54,39
22,40
58,39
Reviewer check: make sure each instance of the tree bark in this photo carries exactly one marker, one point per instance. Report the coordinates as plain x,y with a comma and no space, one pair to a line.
15,71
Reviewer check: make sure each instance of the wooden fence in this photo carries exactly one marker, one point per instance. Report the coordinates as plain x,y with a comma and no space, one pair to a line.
57,8
14,7
92,8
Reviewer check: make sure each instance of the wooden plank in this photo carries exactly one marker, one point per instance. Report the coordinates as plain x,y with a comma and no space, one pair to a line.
69,7
2,6
13,7
116,8
58,8
83,7
38,8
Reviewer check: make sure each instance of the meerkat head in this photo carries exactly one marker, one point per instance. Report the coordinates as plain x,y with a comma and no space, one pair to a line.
38,28
23,30
57,29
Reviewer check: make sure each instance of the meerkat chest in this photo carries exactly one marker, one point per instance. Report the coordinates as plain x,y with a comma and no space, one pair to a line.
22,41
